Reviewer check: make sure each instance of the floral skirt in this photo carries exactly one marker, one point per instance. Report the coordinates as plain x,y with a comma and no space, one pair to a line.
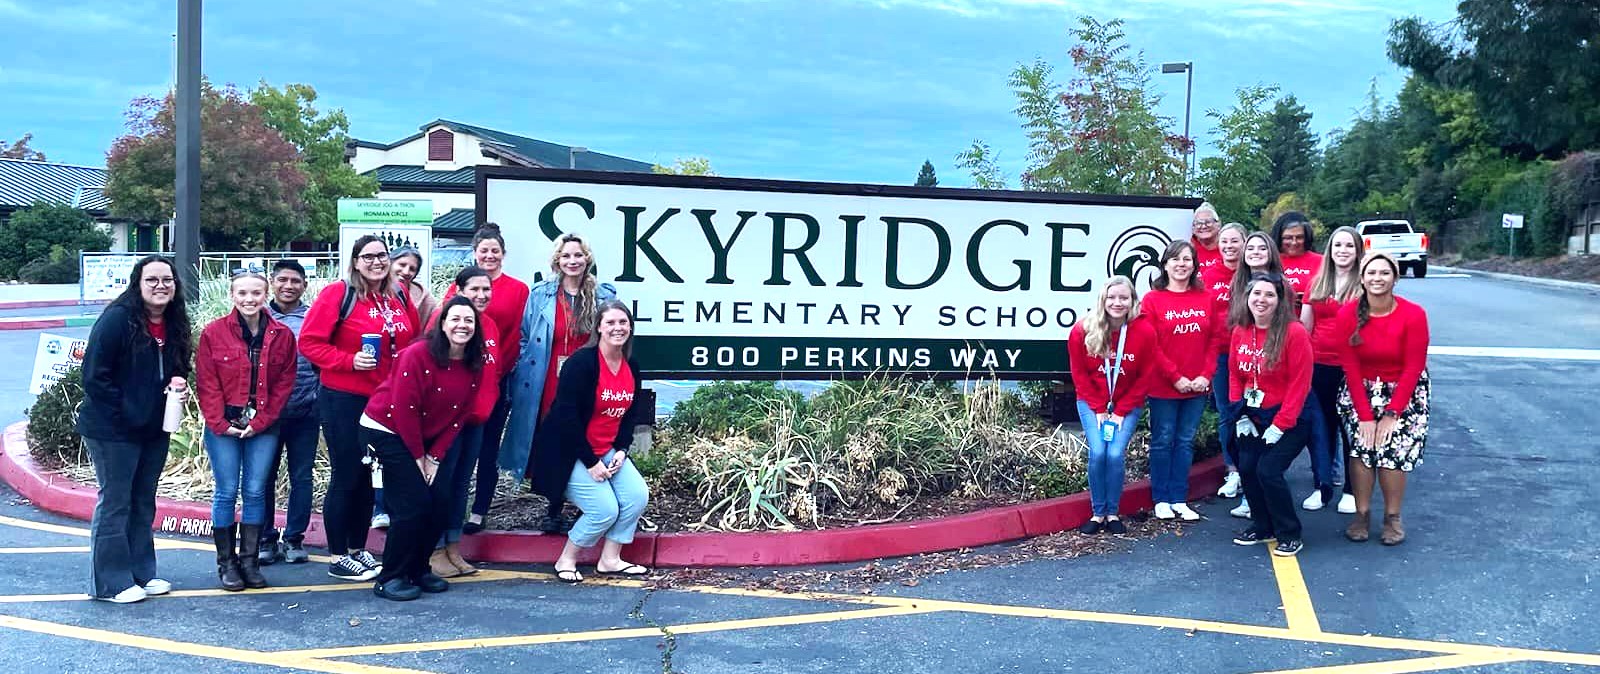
1404,450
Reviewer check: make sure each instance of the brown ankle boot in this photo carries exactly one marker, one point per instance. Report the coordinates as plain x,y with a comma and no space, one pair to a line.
1360,528
452,552
1394,533
439,564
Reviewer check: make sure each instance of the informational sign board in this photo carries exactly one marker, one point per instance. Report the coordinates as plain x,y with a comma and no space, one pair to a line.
1511,221
400,223
733,279
55,356
103,277
386,211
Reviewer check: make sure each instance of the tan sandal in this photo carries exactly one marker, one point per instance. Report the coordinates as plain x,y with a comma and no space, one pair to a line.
1394,533
1360,528
439,564
452,552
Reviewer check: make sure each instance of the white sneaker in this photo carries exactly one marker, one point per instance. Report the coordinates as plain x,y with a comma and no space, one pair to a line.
1243,511
128,596
380,521
1230,486
1347,504
1164,512
1183,511
1313,502
157,587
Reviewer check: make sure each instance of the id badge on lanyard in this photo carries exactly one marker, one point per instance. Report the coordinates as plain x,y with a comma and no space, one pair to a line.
1108,430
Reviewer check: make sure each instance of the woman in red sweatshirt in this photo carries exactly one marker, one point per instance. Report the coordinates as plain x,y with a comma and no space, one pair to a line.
410,424
1269,376
1337,283
1297,245
244,371
1260,256
472,283
1386,361
1204,228
1112,357
1218,281
367,302
1179,310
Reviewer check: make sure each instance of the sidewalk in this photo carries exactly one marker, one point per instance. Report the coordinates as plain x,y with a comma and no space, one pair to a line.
1546,282
29,296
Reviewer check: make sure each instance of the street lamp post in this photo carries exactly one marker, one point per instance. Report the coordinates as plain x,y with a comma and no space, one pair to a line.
186,220
1186,67
572,156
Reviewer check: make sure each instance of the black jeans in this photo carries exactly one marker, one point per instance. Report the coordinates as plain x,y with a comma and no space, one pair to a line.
1326,380
347,508
122,547
1261,469
297,441
418,511
489,453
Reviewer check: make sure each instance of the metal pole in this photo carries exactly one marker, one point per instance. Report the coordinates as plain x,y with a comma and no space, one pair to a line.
1188,94
186,229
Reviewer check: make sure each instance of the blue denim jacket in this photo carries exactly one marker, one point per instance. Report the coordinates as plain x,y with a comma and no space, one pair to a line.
528,373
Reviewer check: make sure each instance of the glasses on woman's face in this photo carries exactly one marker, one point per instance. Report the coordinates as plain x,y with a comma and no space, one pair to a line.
162,282
373,258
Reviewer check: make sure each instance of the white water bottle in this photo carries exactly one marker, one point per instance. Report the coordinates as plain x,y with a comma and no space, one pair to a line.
173,416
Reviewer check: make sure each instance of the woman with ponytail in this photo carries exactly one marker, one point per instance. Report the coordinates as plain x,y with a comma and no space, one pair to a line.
562,312
1385,402
1112,358
1337,283
1218,282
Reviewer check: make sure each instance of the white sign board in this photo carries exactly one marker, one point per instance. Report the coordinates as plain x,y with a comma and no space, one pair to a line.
104,277
419,237
1511,221
55,356
756,278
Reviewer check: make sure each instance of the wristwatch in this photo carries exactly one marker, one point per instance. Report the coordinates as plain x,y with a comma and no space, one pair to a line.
1388,413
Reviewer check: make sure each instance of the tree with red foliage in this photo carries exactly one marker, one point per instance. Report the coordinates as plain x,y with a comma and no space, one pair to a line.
20,149
251,182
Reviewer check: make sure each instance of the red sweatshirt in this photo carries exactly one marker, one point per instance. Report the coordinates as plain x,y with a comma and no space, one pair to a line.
1182,323
335,354
1286,384
1218,281
1394,348
508,300
1133,379
1299,271
222,372
1205,258
1327,338
422,400
489,391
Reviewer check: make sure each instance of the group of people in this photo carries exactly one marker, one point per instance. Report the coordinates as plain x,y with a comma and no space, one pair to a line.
412,397
1295,349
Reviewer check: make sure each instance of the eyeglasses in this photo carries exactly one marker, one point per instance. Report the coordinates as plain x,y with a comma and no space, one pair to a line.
1207,221
153,282
373,258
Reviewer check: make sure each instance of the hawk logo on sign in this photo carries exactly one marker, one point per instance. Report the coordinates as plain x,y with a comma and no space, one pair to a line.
1136,254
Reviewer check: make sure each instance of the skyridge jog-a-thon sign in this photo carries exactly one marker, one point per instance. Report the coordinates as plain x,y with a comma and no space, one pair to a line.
732,278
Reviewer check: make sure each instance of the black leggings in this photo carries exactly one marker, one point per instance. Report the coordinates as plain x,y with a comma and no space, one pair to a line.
1326,380
347,509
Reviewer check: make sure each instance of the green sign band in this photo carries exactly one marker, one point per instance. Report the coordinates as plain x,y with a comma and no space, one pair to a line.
814,357
386,211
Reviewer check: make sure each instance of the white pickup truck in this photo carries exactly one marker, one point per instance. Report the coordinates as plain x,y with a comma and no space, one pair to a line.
1399,240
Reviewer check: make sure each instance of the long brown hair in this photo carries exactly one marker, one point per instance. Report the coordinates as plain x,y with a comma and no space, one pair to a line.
602,310
1278,322
353,276
1097,325
1364,305
1327,283
1173,249
1238,313
582,312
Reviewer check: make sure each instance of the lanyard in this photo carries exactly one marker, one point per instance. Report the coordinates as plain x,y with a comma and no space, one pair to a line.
1113,368
1257,359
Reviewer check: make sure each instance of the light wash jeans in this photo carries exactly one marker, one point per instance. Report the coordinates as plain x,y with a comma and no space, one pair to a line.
1106,474
1173,423
232,457
610,509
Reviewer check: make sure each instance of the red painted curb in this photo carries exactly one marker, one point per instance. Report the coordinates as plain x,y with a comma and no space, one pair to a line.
33,324
996,525
38,304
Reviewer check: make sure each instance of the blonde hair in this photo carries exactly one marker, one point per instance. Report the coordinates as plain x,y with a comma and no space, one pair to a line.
1097,326
583,311
1327,283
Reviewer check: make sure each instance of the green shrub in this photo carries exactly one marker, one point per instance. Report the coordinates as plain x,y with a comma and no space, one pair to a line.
52,436
1056,479
724,408
33,233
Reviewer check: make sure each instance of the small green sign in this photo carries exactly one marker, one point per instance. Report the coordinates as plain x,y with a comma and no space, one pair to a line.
386,211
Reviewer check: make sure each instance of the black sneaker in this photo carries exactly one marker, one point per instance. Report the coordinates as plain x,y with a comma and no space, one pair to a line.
346,567
1251,537
294,552
1091,527
397,589
368,560
268,548
1288,548
1116,527
431,584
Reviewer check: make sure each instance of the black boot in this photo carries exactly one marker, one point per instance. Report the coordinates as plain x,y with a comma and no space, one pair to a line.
227,563
249,563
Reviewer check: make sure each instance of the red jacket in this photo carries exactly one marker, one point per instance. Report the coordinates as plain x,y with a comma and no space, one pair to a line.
1286,384
1182,323
489,390
425,402
1138,368
222,371
335,354
1218,281
1394,348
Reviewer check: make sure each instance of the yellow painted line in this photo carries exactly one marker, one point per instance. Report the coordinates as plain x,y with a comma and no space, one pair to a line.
161,543
480,577
1296,598
603,635
1408,666
196,650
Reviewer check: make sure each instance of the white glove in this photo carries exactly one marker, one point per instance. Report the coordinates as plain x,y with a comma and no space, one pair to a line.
1244,428
1272,435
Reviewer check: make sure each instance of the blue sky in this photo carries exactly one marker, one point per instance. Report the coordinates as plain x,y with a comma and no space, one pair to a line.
838,90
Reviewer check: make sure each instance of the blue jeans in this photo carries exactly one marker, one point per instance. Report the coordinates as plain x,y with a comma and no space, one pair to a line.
297,443
611,508
1225,420
464,454
1173,423
230,457
1106,474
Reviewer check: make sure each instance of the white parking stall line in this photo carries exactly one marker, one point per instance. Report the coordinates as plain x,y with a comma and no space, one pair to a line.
1536,353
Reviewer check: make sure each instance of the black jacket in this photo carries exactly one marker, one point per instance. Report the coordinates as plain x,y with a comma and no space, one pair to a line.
562,438
124,376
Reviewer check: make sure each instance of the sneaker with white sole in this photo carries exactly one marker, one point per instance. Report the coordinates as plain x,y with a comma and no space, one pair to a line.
128,596
1347,504
345,567
368,559
380,521
1313,502
1243,511
1183,512
1230,485
294,552
1164,512
1287,548
156,587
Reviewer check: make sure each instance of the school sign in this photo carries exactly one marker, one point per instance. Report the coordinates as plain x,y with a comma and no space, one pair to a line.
733,278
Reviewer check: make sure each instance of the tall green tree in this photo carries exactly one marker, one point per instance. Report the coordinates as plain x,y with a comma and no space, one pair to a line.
320,138
20,150
1534,66
982,162
1231,180
1290,147
1362,171
926,177
251,182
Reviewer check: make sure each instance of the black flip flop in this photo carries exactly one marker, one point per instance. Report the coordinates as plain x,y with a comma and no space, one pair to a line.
569,576
625,572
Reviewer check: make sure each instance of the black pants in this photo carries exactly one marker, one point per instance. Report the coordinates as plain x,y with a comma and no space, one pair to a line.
122,548
347,509
418,511
489,453
1326,380
1261,469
